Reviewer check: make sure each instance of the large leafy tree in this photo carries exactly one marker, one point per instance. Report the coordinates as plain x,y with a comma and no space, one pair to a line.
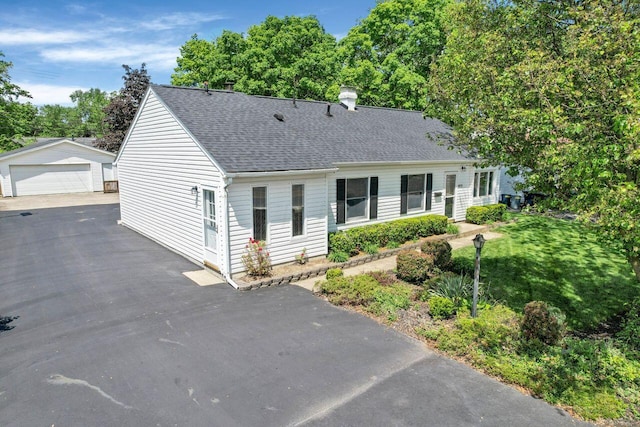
15,118
288,57
387,55
122,107
89,106
551,88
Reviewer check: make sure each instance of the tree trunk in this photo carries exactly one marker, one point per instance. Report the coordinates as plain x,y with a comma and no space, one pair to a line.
635,263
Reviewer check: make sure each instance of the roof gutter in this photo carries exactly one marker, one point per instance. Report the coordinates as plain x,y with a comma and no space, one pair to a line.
403,162
279,173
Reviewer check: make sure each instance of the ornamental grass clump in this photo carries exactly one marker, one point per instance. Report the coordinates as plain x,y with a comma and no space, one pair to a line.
256,260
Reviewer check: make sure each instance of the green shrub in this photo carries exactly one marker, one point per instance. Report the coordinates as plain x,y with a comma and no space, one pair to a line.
385,278
462,265
388,300
356,239
342,242
332,273
452,229
458,289
630,332
338,256
370,248
485,214
542,322
441,251
352,290
441,307
414,267
392,244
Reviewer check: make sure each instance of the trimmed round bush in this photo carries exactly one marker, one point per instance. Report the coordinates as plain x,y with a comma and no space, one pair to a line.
542,322
441,251
332,273
414,267
441,307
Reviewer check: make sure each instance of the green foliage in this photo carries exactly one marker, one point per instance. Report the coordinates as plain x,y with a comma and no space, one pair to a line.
459,289
550,89
441,307
332,273
630,332
370,248
256,260
557,261
414,267
384,278
441,251
354,240
387,55
15,118
387,300
283,57
543,323
122,108
486,214
351,290
452,229
393,245
338,256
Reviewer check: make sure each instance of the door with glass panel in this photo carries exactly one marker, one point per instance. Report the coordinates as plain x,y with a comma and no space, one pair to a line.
450,196
210,221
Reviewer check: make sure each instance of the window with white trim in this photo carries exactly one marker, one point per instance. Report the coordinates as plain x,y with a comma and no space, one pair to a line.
415,192
260,213
357,199
297,209
483,184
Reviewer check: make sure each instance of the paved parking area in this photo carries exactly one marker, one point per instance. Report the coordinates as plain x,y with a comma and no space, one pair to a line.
111,333
57,200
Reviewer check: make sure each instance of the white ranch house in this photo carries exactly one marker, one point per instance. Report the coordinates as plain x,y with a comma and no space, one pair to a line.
202,171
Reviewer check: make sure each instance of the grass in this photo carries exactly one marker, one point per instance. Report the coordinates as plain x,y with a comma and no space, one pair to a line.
558,261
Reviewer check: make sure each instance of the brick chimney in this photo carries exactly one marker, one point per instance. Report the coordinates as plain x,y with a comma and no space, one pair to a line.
348,97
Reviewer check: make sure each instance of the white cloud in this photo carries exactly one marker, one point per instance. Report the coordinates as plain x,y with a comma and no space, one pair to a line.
32,36
160,56
169,22
48,94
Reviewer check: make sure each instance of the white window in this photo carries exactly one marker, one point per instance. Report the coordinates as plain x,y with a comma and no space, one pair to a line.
297,209
260,213
483,184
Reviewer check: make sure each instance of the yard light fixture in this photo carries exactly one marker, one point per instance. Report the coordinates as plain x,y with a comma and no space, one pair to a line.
478,243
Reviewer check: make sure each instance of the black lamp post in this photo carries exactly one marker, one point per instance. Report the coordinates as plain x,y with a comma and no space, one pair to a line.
478,242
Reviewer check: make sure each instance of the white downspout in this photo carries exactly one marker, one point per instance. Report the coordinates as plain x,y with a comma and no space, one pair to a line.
227,274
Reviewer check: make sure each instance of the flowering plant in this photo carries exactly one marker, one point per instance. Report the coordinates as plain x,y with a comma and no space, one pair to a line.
302,258
256,260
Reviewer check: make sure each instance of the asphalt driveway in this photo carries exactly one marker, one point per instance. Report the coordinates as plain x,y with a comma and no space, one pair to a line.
112,334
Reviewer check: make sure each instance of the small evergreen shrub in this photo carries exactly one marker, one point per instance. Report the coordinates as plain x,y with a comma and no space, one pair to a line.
414,267
342,242
542,322
389,299
462,266
630,332
441,307
332,273
392,244
452,229
256,260
486,214
370,248
338,256
441,251
351,290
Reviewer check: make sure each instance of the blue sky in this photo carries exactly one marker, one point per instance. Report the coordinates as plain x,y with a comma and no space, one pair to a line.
59,46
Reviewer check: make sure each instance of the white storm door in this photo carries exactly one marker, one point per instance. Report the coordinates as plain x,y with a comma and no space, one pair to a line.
450,196
210,227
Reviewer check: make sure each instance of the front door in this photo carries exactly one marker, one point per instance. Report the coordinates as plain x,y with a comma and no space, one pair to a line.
210,227
450,196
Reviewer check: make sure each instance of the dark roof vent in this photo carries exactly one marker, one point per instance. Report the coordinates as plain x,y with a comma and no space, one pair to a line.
294,103
229,86
279,116
328,113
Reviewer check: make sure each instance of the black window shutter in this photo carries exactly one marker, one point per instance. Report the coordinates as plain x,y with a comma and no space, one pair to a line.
404,181
428,192
341,194
373,197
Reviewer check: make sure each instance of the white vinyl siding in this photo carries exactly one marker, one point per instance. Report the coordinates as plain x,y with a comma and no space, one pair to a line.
59,155
282,246
158,167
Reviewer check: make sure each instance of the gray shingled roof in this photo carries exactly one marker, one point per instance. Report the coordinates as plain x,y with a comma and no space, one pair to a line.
41,142
242,134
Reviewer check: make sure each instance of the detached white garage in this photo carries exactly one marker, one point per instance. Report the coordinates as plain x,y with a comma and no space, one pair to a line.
52,166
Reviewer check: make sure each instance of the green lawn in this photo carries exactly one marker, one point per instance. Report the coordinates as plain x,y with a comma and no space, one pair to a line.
557,261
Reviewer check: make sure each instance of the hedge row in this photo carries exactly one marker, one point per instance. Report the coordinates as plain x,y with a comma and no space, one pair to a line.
485,214
353,240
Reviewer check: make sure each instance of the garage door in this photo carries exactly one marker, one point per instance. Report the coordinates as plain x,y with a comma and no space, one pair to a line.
50,179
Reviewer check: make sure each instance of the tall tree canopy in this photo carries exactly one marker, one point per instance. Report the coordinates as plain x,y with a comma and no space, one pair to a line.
15,118
122,107
551,88
387,55
288,57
